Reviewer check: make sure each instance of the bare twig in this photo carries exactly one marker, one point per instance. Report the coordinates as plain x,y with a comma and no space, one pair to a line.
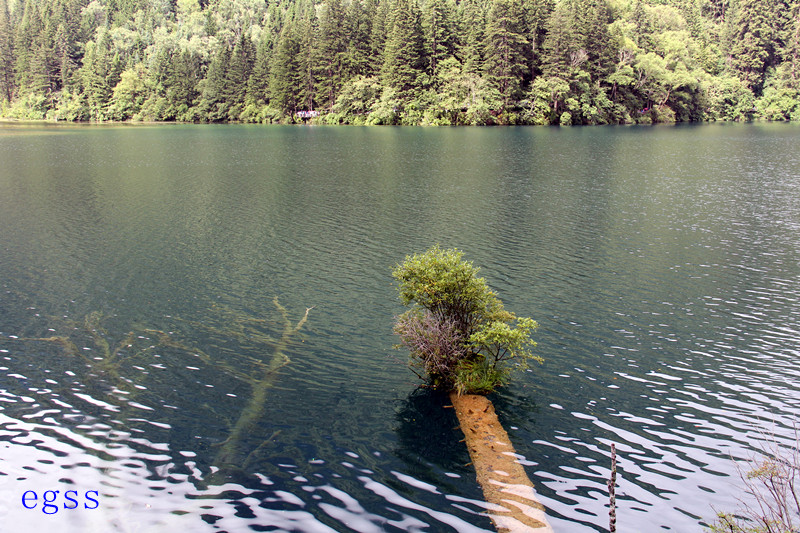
612,492
772,485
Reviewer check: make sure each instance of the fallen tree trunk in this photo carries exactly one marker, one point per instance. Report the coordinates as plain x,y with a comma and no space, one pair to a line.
514,507
232,453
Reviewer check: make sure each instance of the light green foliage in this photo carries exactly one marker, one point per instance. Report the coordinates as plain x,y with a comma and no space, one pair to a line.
457,329
729,99
129,94
500,341
357,98
441,282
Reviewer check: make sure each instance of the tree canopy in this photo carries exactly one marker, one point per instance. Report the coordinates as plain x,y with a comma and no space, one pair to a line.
401,61
457,330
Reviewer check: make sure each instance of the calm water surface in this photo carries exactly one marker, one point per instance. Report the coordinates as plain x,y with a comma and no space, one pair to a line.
145,273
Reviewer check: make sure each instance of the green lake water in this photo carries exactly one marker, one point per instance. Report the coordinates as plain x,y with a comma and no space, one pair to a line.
139,271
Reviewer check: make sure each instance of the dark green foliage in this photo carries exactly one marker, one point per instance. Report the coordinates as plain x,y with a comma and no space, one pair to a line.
101,72
439,33
537,12
285,75
258,83
358,28
753,40
505,45
402,61
212,101
332,51
7,82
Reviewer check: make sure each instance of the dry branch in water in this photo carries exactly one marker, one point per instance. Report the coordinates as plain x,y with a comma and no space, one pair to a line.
231,453
772,484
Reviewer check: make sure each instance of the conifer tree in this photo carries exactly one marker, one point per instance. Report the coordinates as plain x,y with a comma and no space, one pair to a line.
642,27
29,48
332,51
536,14
308,62
258,82
183,82
505,63
791,50
100,73
595,39
379,31
562,41
358,28
285,77
7,83
752,41
472,29
237,74
212,101
439,33
403,59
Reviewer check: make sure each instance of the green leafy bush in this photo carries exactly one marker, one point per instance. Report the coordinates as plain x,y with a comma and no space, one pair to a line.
458,333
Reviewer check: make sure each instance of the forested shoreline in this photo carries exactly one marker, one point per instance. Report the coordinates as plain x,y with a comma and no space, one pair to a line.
437,62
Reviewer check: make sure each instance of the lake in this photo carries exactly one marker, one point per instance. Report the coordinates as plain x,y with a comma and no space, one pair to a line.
152,277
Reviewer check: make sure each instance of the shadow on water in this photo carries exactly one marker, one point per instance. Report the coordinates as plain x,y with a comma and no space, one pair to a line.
430,438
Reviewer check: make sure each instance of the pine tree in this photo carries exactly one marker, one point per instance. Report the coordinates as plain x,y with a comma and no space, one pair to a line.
472,22
403,59
752,41
562,43
285,76
593,20
791,51
787,45
505,64
212,101
358,28
238,73
332,51
30,50
308,62
184,76
439,32
99,74
7,83
258,83
379,32
642,27
536,14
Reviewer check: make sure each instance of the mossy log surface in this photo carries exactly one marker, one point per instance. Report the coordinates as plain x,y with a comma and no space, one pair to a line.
514,507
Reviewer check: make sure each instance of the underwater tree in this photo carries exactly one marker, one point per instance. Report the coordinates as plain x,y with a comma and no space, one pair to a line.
457,330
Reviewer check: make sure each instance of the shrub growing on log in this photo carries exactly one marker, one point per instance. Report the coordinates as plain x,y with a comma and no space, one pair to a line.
459,335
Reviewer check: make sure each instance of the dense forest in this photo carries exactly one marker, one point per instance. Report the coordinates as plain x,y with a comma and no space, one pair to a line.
401,61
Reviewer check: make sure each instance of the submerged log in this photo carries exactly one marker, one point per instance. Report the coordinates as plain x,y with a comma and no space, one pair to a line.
233,453
514,507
